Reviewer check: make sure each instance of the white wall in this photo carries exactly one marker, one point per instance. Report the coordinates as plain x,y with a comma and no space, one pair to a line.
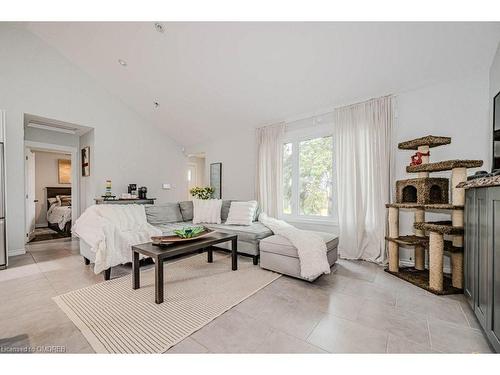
46,175
46,136
87,182
494,84
37,80
236,152
457,109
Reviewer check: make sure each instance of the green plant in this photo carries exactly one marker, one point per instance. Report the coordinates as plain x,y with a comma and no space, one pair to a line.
189,232
202,192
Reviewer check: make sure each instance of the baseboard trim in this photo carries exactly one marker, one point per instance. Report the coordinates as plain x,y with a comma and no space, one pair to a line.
41,225
15,252
409,263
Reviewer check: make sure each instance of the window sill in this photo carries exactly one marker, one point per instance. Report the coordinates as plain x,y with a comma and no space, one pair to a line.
310,220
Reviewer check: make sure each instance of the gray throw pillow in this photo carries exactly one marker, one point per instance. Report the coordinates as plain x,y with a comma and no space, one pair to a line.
224,212
163,213
186,210
257,212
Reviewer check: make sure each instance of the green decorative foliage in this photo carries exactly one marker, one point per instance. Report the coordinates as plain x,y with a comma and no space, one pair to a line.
202,192
189,232
315,176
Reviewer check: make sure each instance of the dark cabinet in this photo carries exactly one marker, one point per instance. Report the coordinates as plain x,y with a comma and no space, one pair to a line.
494,270
482,258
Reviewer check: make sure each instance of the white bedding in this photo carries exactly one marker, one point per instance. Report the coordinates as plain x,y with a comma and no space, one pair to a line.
59,215
111,231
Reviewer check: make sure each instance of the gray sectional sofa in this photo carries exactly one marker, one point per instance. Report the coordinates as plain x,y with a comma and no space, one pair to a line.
276,252
171,216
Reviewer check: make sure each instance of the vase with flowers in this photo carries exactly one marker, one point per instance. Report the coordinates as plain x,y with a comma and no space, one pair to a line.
202,192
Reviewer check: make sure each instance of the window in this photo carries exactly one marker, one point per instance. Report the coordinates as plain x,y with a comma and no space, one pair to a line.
287,178
308,178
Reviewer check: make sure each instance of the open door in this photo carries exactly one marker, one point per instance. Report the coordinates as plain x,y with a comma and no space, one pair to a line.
191,177
30,194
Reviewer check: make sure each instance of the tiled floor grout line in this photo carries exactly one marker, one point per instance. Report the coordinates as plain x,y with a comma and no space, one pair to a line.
429,332
44,275
275,328
312,330
467,318
196,341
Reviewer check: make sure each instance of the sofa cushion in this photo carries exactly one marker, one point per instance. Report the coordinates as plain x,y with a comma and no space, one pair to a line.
207,211
241,213
164,213
167,229
246,233
278,244
186,210
248,236
224,212
226,205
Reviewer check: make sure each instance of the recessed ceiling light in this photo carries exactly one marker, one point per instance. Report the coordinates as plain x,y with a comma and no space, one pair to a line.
122,62
156,104
159,27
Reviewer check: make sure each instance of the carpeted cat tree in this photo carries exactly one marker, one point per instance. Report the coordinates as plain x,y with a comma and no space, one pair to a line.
445,237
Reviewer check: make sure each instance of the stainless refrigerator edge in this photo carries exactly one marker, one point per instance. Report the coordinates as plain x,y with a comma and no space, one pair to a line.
3,245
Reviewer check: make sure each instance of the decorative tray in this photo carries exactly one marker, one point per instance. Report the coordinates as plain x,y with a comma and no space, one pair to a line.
166,240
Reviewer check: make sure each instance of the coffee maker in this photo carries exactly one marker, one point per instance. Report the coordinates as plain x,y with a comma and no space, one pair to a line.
143,191
132,189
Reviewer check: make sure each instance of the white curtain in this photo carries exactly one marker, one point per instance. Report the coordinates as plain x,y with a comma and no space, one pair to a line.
269,173
363,142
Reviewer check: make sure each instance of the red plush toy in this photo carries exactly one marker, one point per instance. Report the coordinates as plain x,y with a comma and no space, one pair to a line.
417,158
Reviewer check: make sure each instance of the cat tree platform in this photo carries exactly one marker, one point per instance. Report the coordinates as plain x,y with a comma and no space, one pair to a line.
421,278
429,207
446,165
427,194
430,141
442,227
412,240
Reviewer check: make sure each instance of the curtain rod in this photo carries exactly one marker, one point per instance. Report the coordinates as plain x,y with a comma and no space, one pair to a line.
326,112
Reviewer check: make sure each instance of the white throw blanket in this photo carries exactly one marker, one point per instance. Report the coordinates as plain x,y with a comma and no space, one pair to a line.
310,247
111,231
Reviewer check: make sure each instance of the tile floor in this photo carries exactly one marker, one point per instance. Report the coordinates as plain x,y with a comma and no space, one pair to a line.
356,309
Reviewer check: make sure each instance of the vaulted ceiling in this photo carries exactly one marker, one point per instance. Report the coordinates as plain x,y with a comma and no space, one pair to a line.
215,78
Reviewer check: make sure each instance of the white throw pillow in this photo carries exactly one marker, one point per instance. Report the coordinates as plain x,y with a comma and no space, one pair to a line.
207,211
241,213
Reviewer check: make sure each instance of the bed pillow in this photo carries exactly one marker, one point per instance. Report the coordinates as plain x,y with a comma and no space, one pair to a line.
64,200
52,201
207,211
241,213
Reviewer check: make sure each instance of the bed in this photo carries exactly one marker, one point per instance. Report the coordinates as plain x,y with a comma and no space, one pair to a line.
59,209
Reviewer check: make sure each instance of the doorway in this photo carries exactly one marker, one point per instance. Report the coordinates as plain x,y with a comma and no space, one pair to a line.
52,176
195,172
49,191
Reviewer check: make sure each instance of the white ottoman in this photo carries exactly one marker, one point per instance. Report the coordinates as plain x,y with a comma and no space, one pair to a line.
279,255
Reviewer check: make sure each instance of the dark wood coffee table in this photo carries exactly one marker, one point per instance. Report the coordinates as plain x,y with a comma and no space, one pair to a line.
159,254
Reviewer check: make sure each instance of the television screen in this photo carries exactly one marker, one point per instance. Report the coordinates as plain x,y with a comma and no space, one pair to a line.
496,131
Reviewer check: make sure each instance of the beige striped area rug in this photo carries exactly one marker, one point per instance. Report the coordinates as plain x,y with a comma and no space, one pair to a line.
114,318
